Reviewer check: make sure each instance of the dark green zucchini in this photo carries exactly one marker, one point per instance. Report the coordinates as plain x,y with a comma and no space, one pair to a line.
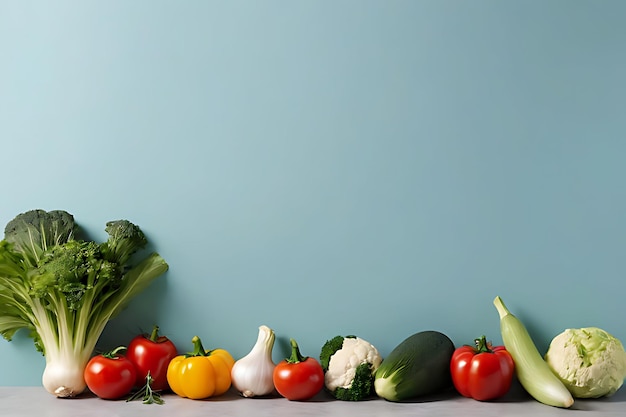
418,366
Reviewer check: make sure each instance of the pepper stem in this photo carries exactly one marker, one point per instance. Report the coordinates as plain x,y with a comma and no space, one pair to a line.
482,346
198,349
296,356
154,336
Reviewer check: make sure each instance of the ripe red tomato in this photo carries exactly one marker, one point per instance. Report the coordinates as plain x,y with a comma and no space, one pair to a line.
110,376
152,354
298,378
482,372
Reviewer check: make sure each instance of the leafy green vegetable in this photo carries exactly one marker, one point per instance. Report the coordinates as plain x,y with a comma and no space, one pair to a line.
64,290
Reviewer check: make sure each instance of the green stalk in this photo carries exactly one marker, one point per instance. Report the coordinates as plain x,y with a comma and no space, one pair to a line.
112,354
482,346
198,349
296,356
154,336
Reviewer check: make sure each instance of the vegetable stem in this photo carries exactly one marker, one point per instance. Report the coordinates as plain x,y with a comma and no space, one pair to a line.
154,336
113,353
198,349
296,356
482,346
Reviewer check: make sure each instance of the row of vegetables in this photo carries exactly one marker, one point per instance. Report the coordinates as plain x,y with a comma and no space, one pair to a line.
64,289
580,363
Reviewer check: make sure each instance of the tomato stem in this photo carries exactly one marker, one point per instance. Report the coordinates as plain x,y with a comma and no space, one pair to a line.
482,346
113,353
154,336
296,356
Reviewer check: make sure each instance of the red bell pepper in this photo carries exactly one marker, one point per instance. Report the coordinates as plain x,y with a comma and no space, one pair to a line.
151,354
482,372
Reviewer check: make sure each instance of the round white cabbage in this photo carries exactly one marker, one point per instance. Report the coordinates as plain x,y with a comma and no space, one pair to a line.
589,361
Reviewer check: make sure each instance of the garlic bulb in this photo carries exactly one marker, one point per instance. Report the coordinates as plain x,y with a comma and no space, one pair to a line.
252,374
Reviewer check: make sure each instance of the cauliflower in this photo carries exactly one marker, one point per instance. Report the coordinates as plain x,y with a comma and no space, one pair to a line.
349,364
590,362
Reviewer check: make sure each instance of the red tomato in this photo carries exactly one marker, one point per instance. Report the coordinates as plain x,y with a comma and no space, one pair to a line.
298,378
110,376
151,354
482,372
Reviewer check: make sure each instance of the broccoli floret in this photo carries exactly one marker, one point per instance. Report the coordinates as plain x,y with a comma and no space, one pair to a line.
74,268
349,364
330,347
35,231
125,239
362,385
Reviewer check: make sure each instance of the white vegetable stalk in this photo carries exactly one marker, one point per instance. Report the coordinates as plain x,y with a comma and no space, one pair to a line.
252,375
63,377
66,351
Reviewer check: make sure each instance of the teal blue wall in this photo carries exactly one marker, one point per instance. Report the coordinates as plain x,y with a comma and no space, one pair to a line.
329,167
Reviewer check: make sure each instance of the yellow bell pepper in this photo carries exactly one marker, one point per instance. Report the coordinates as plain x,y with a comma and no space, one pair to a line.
200,374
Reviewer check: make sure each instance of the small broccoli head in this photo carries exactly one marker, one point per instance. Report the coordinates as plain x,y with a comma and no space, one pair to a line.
125,239
362,384
349,364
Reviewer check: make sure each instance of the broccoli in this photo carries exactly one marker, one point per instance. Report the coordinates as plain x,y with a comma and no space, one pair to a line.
73,269
125,239
34,231
64,290
349,364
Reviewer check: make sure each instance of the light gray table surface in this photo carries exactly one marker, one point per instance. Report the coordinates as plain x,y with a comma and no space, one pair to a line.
36,402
